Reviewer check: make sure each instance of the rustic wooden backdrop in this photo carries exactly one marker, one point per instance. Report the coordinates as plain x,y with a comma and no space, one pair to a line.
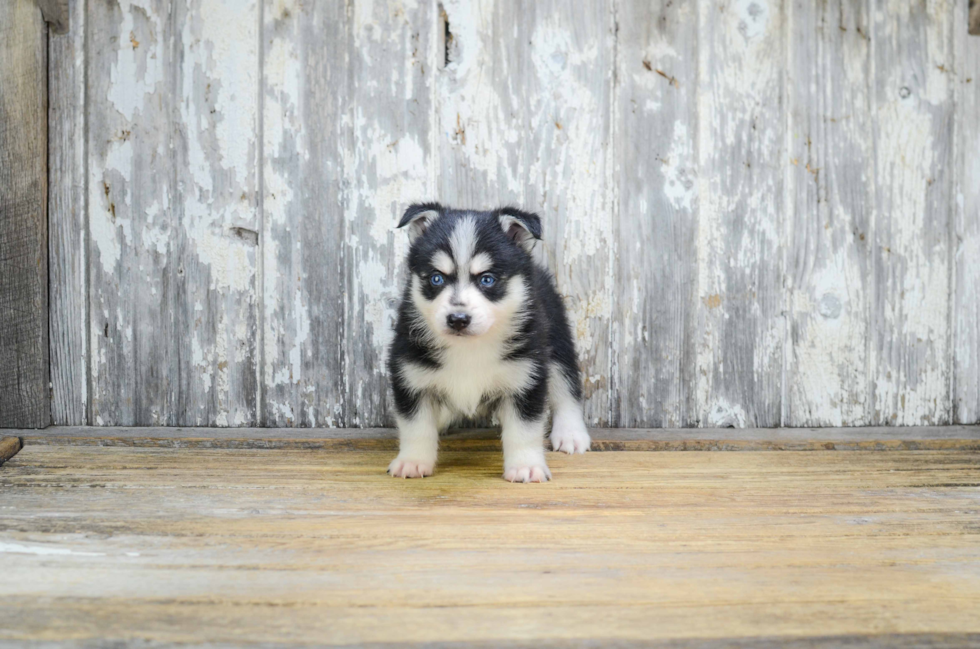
760,212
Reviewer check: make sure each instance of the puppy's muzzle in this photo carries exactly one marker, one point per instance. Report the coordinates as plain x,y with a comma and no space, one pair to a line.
458,321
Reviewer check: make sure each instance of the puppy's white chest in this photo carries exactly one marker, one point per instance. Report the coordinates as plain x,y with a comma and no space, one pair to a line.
470,375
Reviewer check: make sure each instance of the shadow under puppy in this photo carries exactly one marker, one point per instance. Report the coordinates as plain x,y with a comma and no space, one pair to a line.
481,330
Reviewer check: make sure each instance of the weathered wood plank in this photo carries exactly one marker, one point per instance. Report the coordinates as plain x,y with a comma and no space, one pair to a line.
654,310
910,318
742,158
391,67
24,394
831,188
973,24
68,237
132,105
172,157
966,228
305,140
214,244
114,544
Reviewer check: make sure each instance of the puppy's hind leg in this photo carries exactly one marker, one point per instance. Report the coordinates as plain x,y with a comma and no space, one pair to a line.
418,441
568,431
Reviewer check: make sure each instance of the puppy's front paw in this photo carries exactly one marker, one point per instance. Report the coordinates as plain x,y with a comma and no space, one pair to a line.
529,473
570,437
402,467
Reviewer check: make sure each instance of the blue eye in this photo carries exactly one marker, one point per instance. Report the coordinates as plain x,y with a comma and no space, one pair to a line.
437,279
487,280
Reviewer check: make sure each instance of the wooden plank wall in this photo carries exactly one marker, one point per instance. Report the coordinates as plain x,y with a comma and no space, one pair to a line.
760,212
24,395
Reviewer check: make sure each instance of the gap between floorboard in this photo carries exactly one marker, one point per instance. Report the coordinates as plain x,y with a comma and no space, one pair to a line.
930,438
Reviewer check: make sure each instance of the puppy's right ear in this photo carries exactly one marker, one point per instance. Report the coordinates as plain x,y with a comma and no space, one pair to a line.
419,217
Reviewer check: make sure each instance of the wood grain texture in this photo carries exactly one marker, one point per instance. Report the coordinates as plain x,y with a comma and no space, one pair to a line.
909,360
214,217
655,308
304,547
306,131
132,104
973,19
966,232
24,394
67,223
741,158
831,188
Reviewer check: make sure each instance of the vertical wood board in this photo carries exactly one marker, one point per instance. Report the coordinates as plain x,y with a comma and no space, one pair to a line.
831,188
741,158
305,134
214,212
654,307
67,221
24,394
966,228
913,118
131,105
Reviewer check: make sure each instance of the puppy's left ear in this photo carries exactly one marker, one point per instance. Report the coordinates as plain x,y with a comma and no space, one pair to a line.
419,217
523,228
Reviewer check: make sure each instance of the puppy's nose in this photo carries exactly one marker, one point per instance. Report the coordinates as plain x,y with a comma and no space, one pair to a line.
458,321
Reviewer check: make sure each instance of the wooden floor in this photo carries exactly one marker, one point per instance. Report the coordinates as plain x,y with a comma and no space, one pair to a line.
292,547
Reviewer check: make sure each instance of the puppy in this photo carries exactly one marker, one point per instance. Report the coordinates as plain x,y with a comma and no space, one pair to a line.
481,330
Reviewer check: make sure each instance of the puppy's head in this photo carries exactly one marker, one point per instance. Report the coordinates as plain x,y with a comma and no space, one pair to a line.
469,270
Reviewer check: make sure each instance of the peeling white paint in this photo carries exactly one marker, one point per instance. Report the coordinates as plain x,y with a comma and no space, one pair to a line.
109,200
230,42
483,127
138,69
44,550
680,186
752,16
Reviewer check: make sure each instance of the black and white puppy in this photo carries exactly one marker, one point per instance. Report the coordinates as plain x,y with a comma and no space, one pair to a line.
481,330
